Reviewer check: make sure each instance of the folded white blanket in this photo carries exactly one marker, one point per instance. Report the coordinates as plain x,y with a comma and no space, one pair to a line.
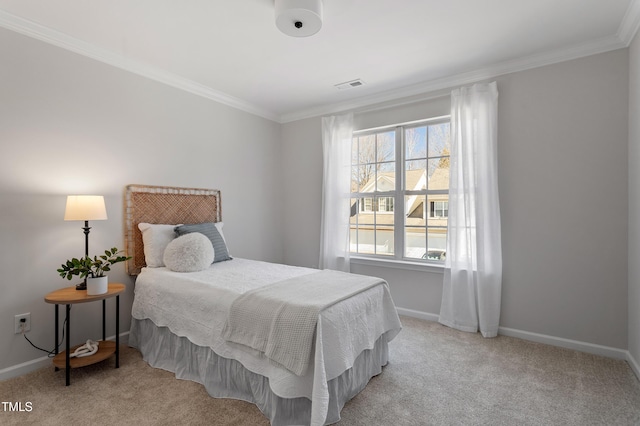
280,319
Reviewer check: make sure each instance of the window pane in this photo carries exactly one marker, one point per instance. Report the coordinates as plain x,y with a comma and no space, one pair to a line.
353,226
353,217
353,239
415,140
354,151
384,231
416,246
364,237
414,177
355,183
439,173
438,210
415,210
384,240
386,146
386,177
437,243
365,178
439,140
383,217
362,213
415,242
361,227
367,149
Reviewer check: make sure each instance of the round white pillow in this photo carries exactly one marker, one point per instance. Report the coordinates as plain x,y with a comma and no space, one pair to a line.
189,253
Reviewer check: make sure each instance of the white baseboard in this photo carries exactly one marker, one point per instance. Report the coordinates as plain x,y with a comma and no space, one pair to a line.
45,361
418,314
590,348
29,366
24,368
634,364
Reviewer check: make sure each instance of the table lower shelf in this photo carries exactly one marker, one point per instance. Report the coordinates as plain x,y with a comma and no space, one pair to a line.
106,348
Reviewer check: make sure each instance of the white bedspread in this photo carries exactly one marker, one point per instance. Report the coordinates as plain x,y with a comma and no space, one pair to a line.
195,305
280,319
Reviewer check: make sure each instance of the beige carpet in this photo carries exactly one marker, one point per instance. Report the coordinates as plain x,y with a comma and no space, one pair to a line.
436,376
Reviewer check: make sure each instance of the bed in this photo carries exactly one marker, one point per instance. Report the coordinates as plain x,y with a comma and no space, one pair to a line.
207,326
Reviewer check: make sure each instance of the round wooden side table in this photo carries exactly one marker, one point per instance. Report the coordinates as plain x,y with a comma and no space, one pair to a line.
69,296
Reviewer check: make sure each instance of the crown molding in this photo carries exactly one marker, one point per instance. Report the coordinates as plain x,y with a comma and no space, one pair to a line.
626,32
67,42
630,23
426,89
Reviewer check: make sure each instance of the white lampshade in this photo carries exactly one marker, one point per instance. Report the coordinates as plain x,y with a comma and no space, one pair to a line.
298,18
85,207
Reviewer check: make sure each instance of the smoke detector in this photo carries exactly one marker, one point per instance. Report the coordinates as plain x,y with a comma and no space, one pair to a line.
299,18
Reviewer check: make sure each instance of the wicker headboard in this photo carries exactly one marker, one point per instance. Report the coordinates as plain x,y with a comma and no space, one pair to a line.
163,204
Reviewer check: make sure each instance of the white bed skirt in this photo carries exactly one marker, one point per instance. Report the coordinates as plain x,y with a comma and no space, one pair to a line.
227,378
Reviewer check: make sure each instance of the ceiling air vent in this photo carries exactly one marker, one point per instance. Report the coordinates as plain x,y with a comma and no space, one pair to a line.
350,84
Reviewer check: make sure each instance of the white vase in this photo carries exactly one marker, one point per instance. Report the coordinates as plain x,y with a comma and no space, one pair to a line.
98,285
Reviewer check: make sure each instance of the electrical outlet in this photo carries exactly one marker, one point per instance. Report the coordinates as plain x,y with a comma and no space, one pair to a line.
23,323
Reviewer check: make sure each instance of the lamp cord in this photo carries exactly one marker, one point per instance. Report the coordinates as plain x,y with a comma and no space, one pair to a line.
51,353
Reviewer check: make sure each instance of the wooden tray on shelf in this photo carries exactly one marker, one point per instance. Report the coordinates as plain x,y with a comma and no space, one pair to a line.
106,348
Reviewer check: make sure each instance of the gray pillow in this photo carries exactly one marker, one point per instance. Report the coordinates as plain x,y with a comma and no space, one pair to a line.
211,231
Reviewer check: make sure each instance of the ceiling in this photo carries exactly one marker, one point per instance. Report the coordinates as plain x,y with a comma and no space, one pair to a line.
231,50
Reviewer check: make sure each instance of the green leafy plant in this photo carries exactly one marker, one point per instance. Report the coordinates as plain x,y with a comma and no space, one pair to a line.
88,267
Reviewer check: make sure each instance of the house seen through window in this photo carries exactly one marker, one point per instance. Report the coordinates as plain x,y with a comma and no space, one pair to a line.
400,191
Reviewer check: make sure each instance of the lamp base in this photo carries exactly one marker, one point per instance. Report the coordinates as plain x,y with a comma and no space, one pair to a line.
81,286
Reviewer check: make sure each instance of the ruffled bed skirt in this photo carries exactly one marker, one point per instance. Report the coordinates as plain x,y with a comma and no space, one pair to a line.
227,378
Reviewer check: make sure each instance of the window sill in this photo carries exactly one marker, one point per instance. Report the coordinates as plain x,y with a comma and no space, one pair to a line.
398,264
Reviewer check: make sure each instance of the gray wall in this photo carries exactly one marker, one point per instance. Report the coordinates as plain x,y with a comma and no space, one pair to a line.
302,182
634,201
562,152
69,124
562,148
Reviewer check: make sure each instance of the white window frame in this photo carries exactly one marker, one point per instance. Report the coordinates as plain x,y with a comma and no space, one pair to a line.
398,259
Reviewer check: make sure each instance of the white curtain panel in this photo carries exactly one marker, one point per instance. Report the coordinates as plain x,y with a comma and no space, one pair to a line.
337,132
473,267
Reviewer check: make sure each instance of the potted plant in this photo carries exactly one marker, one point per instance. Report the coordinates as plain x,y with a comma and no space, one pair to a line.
93,269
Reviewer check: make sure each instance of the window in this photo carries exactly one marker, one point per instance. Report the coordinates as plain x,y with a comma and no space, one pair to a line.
400,191
382,204
439,209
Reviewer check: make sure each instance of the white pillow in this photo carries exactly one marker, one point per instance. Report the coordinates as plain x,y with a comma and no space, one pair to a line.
155,238
189,253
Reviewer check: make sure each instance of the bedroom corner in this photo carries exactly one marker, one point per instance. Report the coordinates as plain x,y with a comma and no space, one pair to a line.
63,133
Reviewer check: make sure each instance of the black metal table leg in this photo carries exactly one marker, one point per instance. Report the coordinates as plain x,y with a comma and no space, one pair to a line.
68,345
104,319
118,331
56,336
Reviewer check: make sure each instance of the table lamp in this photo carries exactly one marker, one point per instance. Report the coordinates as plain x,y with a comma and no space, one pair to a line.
85,207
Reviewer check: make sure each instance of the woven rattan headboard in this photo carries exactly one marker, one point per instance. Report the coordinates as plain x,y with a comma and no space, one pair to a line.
163,204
